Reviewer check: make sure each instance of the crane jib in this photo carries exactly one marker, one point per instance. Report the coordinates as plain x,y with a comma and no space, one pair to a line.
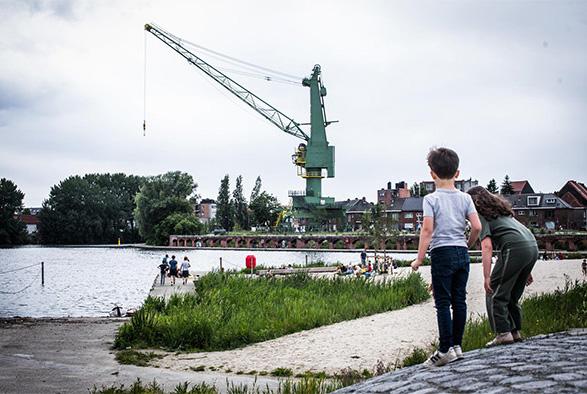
279,119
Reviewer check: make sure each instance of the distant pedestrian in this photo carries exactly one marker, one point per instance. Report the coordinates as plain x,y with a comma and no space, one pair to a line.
363,256
163,268
173,269
518,253
185,269
584,267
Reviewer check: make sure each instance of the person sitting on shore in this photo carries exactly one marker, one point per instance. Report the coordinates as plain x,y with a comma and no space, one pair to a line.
173,269
185,269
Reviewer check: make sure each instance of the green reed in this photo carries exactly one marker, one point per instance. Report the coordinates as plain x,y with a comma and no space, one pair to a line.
229,311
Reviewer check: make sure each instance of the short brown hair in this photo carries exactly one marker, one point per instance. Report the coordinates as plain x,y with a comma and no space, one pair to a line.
444,162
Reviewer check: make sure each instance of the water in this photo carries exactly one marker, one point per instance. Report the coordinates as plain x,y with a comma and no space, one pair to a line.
90,281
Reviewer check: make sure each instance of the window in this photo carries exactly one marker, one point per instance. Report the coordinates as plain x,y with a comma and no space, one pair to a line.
532,212
521,213
408,215
429,186
551,200
533,201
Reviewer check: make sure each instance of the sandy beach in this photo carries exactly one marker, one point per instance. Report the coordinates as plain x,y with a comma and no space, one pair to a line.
361,343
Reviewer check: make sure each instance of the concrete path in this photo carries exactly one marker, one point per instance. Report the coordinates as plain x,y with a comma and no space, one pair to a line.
72,355
168,289
544,364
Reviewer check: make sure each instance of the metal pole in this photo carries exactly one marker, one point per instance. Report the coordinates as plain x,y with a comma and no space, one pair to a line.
221,264
306,260
42,273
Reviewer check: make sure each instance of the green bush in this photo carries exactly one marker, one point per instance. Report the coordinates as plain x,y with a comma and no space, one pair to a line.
229,311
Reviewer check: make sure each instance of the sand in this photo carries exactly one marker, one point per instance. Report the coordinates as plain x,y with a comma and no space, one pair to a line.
361,343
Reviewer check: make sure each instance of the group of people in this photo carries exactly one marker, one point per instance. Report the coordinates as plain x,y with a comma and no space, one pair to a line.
171,269
368,268
445,215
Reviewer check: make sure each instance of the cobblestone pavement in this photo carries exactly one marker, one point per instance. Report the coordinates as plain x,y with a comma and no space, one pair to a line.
555,363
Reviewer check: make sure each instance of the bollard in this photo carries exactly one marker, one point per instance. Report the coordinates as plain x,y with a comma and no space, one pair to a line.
221,270
42,273
306,260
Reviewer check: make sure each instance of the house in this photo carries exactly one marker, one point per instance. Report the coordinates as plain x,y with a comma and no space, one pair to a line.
206,210
546,210
574,193
354,211
461,184
387,196
31,222
521,187
411,214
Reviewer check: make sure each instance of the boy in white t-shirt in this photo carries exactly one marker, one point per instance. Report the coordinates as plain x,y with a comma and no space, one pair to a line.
443,229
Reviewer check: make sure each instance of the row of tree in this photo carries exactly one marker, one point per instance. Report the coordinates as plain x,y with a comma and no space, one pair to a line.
12,230
233,212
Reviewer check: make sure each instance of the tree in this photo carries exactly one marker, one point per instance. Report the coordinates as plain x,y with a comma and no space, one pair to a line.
492,186
12,230
224,208
506,186
177,224
423,190
265,210
160,197
256,189
241,210
415,190
93,209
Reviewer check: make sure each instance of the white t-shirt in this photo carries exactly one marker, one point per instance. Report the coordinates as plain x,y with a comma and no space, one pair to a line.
185,266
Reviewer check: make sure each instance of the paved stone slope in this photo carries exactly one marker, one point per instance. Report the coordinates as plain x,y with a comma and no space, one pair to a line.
555,363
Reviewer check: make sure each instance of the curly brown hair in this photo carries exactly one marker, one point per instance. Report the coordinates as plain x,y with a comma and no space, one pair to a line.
489,205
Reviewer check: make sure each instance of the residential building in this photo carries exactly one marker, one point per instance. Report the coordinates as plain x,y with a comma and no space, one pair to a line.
354,211
461,184
521,187
575,194
206,210
31,222
387,196
410,218
546,210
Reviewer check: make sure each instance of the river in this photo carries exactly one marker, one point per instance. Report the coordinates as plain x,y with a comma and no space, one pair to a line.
90,281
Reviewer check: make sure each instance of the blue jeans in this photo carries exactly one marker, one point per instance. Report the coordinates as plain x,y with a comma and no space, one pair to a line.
450,271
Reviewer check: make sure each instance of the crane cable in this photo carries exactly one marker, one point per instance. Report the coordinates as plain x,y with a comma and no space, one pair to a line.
230,59
145,90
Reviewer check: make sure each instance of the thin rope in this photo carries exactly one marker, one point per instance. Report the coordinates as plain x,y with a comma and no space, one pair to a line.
145,89
24,288
18,269
231,58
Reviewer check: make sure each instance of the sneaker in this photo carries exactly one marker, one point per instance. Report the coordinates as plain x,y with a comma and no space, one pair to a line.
504,338
458,352
438,359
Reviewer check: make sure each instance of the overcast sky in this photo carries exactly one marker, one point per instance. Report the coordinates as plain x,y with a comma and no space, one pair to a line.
502,83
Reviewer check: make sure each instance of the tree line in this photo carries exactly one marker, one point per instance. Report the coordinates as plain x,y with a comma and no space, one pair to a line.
418,190
103,208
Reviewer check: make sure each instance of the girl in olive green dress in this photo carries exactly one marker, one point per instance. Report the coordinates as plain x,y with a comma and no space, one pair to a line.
517,254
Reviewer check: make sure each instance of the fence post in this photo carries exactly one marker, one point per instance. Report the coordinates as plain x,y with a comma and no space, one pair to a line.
221,270
42,273
306,260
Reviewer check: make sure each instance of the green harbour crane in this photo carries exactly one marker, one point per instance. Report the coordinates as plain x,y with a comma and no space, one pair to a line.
314,157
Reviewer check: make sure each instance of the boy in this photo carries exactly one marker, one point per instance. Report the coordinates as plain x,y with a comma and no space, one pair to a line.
443,229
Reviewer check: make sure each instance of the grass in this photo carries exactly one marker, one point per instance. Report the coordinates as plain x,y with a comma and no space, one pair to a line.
542,314
135,358
230,311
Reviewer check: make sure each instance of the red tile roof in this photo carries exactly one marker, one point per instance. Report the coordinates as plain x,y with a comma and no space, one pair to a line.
29,219
518,186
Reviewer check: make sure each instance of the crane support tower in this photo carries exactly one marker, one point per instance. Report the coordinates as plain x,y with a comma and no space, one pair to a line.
313,157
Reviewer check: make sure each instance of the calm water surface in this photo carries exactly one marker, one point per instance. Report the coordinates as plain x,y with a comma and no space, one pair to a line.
90,281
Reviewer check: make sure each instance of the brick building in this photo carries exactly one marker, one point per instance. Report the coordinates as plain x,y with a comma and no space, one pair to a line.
206,210
546,210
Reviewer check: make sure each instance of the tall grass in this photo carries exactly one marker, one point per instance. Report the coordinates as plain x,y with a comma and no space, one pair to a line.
229,311
541,314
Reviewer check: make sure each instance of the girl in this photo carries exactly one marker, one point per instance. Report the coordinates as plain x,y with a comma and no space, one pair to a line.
517,254
185,269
